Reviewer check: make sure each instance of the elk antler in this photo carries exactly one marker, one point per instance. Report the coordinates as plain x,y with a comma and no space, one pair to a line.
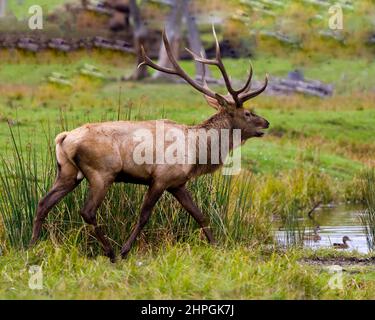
177,69
238,96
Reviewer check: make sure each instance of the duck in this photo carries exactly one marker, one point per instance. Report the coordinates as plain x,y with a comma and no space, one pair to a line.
314,236
344,244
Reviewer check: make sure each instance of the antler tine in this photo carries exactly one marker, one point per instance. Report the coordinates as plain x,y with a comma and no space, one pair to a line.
180,72
200,58
247,96
219,63
213,62
248,82
150,63
204,82
223,71
218,53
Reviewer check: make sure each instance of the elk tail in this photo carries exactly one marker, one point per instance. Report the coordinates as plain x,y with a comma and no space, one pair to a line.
61,155
61,137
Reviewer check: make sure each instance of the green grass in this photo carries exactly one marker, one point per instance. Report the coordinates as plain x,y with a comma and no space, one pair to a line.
180,271
24,73
346,75
272,156
21,9
293,132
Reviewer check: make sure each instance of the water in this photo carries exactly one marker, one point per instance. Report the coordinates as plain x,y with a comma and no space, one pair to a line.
335,222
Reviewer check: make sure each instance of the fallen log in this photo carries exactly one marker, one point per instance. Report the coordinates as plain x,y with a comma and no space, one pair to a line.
288,86
60,45
64,45
29,44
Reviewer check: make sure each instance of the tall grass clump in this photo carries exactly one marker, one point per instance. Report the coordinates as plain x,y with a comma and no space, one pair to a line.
368,215
26,175
19,191
293,226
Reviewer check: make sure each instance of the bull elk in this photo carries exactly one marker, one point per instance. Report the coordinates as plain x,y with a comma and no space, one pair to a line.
102,153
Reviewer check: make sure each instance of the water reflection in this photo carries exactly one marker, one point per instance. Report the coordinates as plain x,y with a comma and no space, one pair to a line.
335,223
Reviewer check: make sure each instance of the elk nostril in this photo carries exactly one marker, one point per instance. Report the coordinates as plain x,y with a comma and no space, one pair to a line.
267,124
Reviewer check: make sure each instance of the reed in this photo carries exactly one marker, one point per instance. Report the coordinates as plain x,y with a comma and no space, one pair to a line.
368,215
293,227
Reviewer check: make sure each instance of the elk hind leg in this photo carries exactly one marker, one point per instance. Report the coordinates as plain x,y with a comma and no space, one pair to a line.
65,182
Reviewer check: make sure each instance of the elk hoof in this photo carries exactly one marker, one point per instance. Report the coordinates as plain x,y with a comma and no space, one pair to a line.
112,257
124,254
214,243
32,243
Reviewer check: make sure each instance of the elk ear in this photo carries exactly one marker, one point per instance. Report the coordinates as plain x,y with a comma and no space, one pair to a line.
221,100
213,102
218,103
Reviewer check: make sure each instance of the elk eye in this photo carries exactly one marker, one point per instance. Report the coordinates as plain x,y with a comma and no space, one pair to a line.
247,113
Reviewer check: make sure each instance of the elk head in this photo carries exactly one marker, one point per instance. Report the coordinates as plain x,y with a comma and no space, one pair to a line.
231,104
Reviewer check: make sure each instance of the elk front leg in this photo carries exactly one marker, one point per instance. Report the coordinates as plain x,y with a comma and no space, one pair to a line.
97,191
152,196
184,198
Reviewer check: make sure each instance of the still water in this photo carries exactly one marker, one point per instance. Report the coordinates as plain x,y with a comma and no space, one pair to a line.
335,222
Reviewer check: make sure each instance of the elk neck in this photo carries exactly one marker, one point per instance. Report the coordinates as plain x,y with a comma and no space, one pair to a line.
219,121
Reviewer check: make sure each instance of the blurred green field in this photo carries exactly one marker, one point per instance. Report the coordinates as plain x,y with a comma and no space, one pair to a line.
20,8
334,134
